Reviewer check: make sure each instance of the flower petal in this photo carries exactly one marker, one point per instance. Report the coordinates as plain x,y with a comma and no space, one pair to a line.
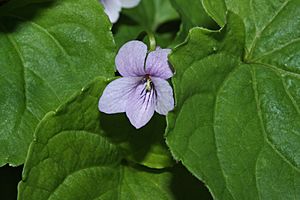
140,106
115,95
112,8
129,3
130,59
164,96
157,64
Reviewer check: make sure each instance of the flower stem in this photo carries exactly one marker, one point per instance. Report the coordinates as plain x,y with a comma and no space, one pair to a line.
152,41
151,37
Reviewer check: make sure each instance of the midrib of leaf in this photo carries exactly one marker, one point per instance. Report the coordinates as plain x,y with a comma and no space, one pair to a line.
24,69
126,183
255,169
44,30
156,185
259,113
16,47
99,196
258,33
46,82
278,71
260,117
24,103
120,182
56,42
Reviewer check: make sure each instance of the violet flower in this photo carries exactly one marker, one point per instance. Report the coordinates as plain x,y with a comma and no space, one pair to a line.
143,88
113,7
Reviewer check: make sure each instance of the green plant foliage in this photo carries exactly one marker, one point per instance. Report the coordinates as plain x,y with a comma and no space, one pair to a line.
49,50
192,14
216,9
147,16
236,125
73,156
236,122
272,29
151,14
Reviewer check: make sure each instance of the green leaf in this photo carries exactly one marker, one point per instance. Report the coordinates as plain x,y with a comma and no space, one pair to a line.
192,15
236,125
151,14
74,156
147,16
216,9
49,49
271,29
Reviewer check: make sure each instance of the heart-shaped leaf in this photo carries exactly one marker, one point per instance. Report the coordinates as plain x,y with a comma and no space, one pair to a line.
237,121
49,49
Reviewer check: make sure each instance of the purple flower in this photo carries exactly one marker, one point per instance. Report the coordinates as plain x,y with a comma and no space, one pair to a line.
113,7
143,88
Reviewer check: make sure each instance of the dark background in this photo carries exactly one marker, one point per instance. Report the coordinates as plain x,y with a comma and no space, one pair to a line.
9,179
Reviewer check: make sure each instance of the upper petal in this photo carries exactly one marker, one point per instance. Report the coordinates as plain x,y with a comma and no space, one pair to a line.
130,3
112,8
130,59
164,96
157,64
140,106
115,95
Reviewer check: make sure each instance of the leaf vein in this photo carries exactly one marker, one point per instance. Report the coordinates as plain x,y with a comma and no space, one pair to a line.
57,43
24,84
279,70
290,96
52,89
258,33
126,183
278,49
260,117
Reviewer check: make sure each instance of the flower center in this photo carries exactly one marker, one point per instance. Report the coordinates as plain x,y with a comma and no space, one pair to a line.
148,83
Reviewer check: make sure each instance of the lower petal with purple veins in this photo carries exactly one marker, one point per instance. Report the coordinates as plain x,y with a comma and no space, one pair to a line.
140,106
